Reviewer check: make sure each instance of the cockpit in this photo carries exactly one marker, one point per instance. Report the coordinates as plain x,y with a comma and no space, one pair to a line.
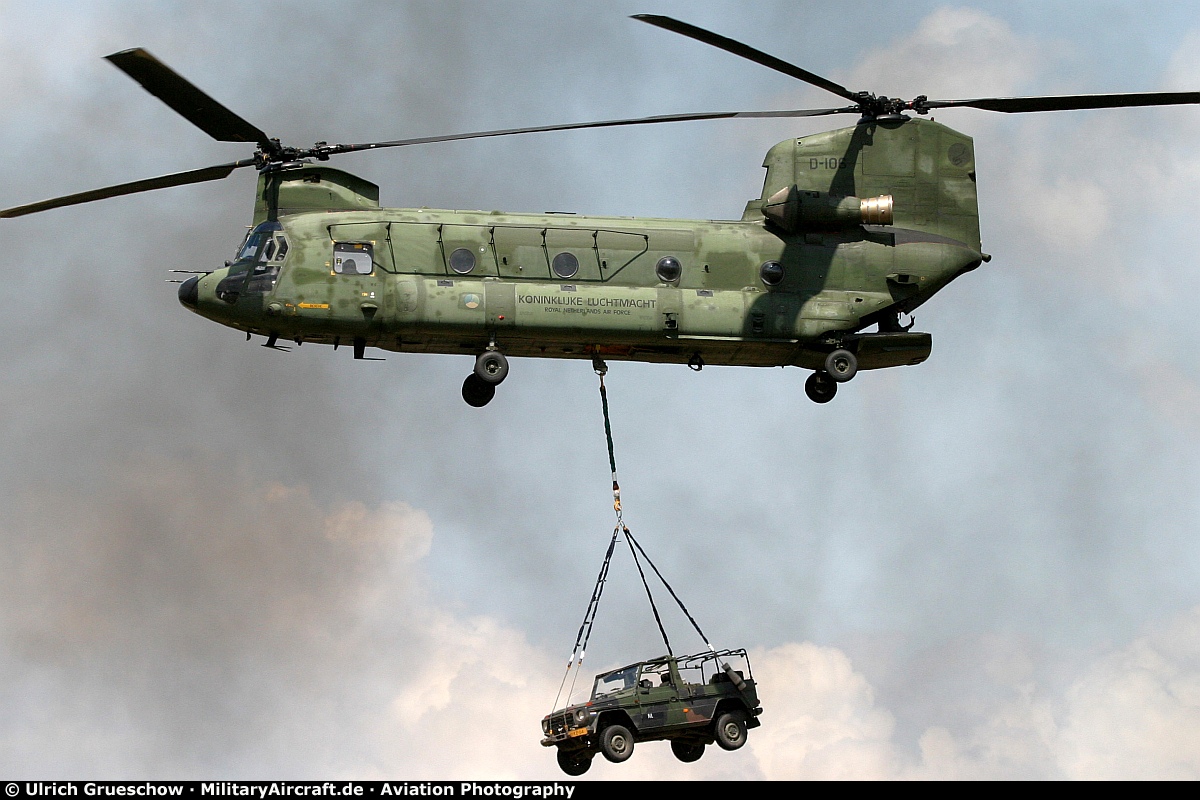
255,268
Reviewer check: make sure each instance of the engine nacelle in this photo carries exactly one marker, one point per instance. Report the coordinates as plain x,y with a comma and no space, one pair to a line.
796,210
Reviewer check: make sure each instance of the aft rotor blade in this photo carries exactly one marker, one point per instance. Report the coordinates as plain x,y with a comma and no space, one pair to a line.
1070,102
149,184
194,105
572,126
746,51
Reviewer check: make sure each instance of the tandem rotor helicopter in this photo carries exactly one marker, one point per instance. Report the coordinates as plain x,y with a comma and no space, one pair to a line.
855,229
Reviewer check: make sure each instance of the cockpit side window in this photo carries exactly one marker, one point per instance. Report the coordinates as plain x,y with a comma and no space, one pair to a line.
265,247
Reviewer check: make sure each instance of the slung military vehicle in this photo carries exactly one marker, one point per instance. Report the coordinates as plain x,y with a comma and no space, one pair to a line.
855,228
692,701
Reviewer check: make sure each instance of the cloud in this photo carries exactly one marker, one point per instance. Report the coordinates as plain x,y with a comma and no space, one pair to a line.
954,53
820,721
223,561
1135,713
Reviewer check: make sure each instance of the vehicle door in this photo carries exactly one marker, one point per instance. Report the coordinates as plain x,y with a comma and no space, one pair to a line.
658,700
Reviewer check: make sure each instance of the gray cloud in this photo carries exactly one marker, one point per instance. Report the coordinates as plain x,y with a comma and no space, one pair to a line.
195,582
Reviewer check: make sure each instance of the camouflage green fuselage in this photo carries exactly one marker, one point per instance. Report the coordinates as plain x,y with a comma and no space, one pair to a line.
562,285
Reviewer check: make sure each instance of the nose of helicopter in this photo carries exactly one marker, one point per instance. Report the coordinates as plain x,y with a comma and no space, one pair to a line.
189,292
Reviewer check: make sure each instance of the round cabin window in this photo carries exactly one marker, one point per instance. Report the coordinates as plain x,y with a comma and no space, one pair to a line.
565,265
462,261
771,273
668,269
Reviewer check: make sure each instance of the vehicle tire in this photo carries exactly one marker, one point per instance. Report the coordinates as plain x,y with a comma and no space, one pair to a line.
841,365
616,743
820,388
476,392
687,752
492,367
574,762
731,730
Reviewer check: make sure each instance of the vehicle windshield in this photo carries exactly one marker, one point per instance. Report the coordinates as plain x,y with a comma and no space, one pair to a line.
614,682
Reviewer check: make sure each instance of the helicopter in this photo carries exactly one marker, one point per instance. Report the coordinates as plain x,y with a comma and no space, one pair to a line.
855,228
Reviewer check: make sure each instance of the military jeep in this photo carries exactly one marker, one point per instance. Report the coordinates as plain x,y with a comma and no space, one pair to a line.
692,701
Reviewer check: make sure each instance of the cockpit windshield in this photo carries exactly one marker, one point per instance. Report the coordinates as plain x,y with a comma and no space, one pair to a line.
261,254
263,243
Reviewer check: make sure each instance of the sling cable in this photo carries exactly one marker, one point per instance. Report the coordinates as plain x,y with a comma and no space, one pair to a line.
635,549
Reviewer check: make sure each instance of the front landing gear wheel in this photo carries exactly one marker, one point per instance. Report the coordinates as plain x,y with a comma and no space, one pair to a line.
841,365
820,388
616,742
574,762
491,367
476,392
687,752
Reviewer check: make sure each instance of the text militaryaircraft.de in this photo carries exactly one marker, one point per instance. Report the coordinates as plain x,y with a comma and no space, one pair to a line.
855,228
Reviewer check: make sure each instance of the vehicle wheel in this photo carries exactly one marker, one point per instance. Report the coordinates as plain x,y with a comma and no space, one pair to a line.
731,730
820,388
574,762
841,365
476,392
616,743
492,367
687,752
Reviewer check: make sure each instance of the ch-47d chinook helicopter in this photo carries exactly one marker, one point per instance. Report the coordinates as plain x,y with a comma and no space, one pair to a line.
855,228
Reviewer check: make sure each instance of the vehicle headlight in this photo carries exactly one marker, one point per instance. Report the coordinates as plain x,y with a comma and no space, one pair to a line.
546,725
582,715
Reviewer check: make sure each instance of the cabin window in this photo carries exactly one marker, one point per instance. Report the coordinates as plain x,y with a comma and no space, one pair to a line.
353,258
565,265
668,269
771,273
462,261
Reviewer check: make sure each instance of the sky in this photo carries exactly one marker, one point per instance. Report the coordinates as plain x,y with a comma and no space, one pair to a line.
220,561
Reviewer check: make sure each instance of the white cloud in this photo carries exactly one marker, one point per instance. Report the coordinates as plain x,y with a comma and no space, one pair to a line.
819,721
1135,713
955,53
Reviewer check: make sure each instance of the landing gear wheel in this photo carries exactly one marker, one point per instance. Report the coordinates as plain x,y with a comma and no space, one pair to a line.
687,752
841,365
820,388
616,743
731,731
574,762
476,392
491,367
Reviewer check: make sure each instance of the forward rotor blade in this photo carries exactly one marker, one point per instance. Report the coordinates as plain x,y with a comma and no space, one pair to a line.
194,105
149,184
1071,102
572,126
745,51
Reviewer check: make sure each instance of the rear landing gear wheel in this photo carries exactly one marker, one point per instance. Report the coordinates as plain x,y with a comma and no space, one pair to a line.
574,762
477,392
687,752
841,365
820,388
